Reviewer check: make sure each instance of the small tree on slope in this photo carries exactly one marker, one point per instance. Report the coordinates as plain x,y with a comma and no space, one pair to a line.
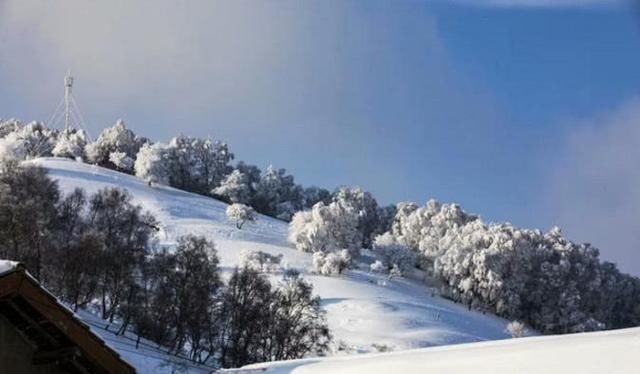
517,329
241,214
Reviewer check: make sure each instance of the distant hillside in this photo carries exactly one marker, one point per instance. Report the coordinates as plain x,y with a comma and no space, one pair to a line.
366,311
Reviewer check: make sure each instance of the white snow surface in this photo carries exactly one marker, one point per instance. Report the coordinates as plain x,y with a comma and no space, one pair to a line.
366,312
6,265
596,352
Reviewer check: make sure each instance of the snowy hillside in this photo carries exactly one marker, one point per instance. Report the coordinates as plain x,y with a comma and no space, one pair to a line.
596,352
366,313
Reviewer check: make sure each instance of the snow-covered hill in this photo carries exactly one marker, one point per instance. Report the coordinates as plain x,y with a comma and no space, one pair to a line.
366,312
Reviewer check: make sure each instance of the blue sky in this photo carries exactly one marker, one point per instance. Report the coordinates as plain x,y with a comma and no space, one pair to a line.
487,103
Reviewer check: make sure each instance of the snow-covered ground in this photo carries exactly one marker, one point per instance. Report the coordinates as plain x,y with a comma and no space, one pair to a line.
597,352
146,356
366,312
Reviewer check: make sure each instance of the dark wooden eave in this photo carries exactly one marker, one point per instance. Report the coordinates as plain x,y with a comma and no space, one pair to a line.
52,330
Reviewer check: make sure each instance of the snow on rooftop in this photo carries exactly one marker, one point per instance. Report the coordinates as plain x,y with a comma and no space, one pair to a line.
6,266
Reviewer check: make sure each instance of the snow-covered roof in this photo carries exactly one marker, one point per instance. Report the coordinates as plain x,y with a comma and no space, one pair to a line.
7,266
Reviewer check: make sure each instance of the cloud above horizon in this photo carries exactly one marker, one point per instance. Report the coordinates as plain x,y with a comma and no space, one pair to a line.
542,3
594,188
248,72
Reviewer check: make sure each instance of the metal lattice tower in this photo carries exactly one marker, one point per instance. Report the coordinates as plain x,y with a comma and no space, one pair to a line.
67,113
68,84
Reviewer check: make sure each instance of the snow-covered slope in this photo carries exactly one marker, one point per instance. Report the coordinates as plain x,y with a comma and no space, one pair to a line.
597,352
366,312
144,355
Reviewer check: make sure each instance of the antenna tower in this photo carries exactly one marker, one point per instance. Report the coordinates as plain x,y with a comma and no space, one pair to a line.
67,113
68,85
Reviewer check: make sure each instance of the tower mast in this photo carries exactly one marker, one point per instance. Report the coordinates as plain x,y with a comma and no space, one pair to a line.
68,84
67,113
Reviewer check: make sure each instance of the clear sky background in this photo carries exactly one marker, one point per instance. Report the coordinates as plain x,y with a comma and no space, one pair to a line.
520,110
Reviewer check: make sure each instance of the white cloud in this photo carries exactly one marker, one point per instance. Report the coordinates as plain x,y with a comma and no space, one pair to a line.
362,79
594,190
134,48
541,3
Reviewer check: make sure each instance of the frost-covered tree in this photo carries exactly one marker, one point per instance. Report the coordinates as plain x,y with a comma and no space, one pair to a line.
394,254
252,173
331,264
422,228
268,190
325,228
27,141
314,195
277,194
235,188
197,165
121,161
38,140
12,148
377,267
539,278
212,158
285,210
516,329
180,163
9,126
70,143
151,164
119,141
386,215
395,272
260,261
241,214
365,206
